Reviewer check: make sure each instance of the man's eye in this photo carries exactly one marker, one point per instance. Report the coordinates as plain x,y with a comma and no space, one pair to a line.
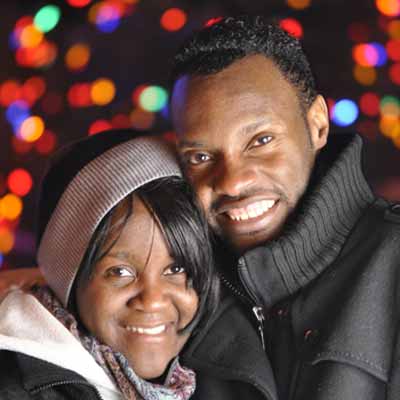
262,140
197,158
120,272
174,269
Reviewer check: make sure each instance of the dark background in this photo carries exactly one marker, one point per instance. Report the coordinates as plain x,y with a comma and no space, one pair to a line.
139,51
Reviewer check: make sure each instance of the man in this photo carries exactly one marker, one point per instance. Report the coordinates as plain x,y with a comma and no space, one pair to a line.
319,254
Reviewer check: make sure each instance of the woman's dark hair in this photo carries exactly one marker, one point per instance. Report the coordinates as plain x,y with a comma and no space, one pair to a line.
216,47
185,230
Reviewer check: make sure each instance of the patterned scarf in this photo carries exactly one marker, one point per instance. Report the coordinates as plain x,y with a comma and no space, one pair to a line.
179,384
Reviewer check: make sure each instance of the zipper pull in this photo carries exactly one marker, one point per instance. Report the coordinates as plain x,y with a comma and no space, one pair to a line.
258,312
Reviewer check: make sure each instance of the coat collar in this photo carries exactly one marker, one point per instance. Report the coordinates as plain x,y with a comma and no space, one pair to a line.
337,196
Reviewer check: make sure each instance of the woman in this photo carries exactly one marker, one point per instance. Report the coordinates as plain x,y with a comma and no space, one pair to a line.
127,260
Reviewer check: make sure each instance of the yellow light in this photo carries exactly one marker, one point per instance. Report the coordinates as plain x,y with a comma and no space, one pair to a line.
393,29
390,8
364,75
30,36
77,56
31,129
298,4
389,125
10,206
102,91
6,240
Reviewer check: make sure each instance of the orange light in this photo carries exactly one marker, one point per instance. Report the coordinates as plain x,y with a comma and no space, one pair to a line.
388,125
292,27
141,119
364,75
6,240
102,91
30,36
31,129
99,126
390,8
77,57
20,182
173,19
393,29
10,207
46,143
298,4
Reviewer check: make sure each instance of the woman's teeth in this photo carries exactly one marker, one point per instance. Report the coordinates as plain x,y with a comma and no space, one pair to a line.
147,331
253,210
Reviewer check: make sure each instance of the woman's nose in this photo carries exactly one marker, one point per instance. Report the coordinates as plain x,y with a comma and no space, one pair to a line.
151,296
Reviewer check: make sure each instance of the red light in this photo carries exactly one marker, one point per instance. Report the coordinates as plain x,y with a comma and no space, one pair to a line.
78,3
20,182
173,19
213,21
33,89
394,73
359,32
52,103
393,49
99,126
136,94
292,27
9,92
369,104
121,121
21,146
79,95
24,22
46,143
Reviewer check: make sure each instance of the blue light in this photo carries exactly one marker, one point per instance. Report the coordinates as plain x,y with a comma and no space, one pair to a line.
1,260
345,112
17,112
381,51
13,41
108,19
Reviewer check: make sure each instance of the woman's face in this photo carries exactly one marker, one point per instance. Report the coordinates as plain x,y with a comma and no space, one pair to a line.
137,300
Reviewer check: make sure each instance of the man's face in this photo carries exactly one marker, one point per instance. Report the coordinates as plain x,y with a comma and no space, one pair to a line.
246,147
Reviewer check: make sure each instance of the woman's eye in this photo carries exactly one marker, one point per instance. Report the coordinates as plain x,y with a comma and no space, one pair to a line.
174,269
262,140
120,272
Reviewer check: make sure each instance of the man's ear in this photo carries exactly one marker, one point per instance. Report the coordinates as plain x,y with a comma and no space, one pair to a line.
318,122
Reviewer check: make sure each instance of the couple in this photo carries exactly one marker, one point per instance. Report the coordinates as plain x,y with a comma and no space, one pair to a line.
308,307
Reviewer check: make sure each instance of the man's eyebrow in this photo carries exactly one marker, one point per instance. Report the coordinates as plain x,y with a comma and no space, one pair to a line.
252,127
190,143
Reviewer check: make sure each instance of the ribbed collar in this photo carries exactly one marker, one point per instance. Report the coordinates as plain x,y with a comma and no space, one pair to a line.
337,196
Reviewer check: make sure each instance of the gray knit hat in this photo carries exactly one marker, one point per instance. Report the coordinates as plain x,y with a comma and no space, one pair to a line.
92,177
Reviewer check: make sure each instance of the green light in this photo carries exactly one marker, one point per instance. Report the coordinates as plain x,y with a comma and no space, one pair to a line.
47,18
153,98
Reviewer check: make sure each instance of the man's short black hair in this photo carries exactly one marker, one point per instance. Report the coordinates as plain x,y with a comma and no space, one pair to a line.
232,38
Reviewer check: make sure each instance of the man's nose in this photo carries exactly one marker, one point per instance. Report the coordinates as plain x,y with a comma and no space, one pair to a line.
232,178
149,296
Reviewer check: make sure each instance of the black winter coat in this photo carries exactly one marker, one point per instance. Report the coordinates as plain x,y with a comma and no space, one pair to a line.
330,289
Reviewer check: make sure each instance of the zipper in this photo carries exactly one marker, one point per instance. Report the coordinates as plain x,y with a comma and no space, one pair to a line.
66,382
249,298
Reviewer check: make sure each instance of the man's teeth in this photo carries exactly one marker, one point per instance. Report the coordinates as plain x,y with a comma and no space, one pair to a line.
253,210
147,331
